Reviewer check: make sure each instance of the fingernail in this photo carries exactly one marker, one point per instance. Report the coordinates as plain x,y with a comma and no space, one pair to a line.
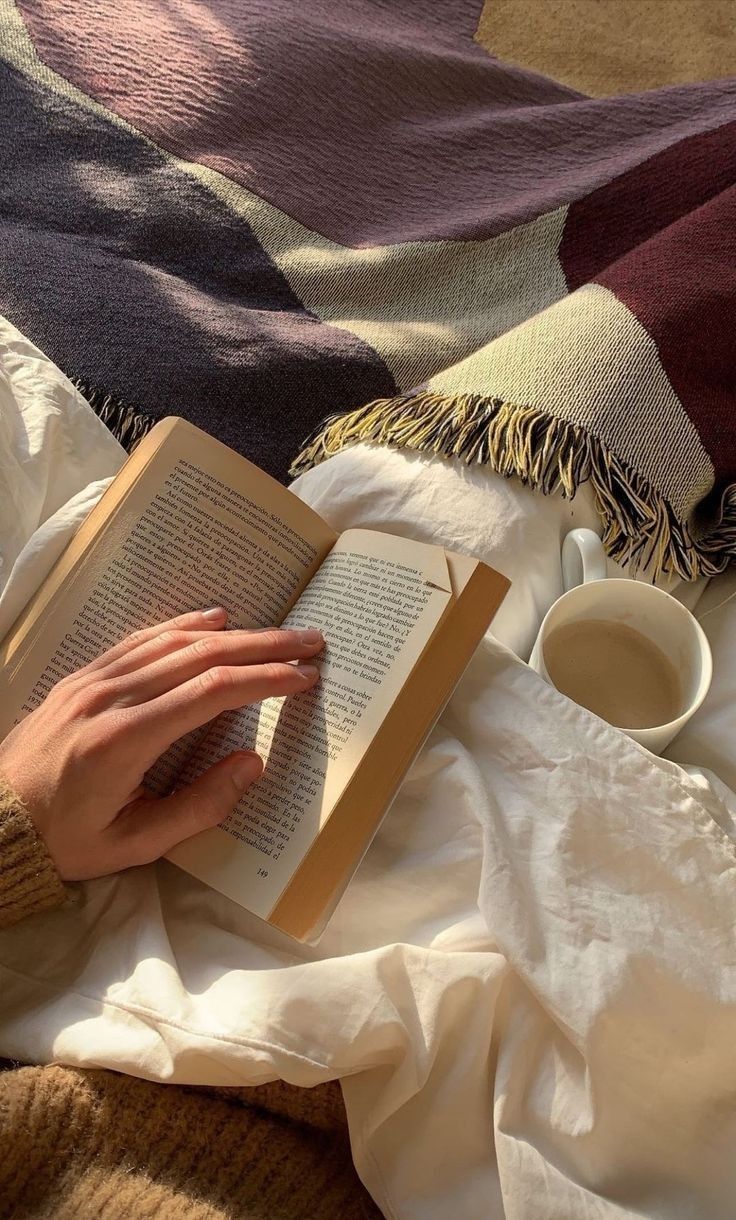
246,770
310,637
307,671
215,612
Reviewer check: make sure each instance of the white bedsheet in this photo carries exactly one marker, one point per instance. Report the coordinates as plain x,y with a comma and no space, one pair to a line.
528,991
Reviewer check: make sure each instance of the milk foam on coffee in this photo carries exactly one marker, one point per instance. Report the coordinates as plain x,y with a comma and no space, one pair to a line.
614,671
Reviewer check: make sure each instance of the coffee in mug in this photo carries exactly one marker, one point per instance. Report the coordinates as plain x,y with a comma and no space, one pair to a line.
625,650
614,671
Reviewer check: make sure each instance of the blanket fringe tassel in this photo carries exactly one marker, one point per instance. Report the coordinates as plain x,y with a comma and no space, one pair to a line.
126,424
549,455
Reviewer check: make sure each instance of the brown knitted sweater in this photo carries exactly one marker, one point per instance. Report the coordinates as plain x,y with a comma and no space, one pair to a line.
80,1144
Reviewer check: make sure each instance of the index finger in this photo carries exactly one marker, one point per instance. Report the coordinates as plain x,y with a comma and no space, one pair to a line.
193,620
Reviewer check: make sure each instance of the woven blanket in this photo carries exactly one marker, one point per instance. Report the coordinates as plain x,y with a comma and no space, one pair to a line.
262,213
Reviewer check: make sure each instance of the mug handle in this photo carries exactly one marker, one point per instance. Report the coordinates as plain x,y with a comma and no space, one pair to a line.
583,559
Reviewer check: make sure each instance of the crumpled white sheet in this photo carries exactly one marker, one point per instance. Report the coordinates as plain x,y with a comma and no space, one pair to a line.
56,459
529,989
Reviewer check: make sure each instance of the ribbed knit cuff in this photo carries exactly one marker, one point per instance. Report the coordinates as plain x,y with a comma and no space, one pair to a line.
29,881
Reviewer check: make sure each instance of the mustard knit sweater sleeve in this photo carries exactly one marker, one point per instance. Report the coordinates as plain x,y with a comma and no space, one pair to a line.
29,881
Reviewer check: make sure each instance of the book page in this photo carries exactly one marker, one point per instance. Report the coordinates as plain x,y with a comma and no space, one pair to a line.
317,885
188,524
377,599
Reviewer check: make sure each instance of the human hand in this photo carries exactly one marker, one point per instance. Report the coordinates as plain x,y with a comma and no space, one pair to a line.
78,761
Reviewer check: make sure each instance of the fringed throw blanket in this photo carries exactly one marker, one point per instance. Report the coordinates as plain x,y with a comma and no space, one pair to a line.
260,214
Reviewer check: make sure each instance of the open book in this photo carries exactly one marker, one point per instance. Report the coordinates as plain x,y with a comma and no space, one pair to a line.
188,523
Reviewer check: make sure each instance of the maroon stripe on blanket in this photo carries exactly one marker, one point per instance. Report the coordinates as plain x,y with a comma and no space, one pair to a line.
681,285
371,123
634,206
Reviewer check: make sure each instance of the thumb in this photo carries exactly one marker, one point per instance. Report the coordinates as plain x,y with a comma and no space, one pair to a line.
158,825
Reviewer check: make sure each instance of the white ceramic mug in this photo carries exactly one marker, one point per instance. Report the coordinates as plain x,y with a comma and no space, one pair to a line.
650,611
